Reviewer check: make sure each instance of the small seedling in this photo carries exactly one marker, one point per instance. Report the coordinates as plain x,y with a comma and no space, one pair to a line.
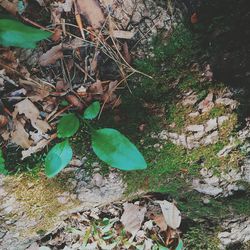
108,144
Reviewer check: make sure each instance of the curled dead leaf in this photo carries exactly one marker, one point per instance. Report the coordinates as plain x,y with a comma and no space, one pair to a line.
92,11
132,217
171,214
3,121
72,99
19,136
51,56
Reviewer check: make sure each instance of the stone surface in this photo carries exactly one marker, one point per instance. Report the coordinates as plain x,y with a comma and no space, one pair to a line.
222,119
235,230
207,104
29,205
211,138
211,125
190,100
227,102
195,128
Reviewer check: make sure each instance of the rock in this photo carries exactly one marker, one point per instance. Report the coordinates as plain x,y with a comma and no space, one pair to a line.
97,180
198,135
190,100
226,150
206,188
222,119
205,200
174,136
192,142
214,180
206,172
194,114
182,140
195,128
227,102
207,104
236,230
211,138
163,135
211,125
246,170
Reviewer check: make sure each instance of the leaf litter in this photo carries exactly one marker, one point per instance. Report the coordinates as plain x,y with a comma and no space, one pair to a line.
121,225
85,57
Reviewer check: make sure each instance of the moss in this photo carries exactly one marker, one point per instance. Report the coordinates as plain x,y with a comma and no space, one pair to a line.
228,127
198,238
38,197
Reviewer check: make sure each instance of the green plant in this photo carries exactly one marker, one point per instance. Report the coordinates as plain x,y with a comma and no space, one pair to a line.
14,33
108,144
2,165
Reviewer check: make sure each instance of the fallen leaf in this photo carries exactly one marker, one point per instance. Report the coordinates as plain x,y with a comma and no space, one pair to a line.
3,121
132,217
126,53
56,35
92,11
171,214
160,222
51,56
27,108
38,147
10,6
96,88
35,92
19,136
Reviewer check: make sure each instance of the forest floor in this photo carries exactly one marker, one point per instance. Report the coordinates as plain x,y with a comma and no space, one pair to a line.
191,129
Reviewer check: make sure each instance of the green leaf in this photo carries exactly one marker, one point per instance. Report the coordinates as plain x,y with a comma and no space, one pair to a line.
3,170
67,126
58,158
180,245
14,33
92,111
116,150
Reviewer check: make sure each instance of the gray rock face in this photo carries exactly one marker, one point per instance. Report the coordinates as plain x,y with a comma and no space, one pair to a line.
190,100
195,128
235,230
211,125
21,219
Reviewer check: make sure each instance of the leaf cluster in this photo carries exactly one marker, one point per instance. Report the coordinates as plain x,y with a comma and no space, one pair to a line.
14,33
108,144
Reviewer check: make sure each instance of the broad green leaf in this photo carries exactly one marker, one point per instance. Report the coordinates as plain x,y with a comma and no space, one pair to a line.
67,126
58,158
3,170
92,111
180,245
14,33
116,150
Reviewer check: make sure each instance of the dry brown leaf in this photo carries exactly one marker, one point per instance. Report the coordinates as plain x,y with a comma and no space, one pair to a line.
19,136
10,6
57,34
51,56
35,92
3,121
92,11
132,217
171,214
27,108
126,53
38,147
160,222
96,88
